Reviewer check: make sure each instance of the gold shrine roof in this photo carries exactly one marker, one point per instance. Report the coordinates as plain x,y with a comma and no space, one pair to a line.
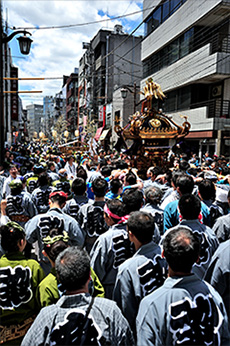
154,125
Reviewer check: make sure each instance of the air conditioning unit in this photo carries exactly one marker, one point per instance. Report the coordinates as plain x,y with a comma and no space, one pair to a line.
217,91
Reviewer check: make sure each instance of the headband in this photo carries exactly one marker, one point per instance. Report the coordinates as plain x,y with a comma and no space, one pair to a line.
15,225
60,193
51,240
114,216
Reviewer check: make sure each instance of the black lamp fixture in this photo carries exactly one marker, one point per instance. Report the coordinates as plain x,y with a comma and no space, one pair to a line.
124,93
133,90
24,41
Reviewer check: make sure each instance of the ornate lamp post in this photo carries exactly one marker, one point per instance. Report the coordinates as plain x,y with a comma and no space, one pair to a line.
24,44
124,92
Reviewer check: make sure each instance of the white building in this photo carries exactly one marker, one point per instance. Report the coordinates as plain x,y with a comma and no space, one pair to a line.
34,117
187,51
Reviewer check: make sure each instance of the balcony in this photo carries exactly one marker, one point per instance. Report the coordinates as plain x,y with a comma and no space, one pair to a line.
220,43
216,108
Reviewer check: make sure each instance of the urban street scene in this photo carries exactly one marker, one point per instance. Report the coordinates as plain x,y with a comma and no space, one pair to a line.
115,172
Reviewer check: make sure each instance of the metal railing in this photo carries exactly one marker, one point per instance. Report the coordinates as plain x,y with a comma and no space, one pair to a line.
216,108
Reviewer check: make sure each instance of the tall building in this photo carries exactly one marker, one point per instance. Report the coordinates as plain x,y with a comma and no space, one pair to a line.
34,119
48,110
186,50
111,60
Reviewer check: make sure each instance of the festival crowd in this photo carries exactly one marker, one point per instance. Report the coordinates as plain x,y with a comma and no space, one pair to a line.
93,253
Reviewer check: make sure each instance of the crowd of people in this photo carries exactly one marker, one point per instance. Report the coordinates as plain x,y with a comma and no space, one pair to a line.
92,253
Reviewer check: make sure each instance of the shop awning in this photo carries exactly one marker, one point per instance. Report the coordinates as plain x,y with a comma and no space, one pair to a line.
98,133
104,134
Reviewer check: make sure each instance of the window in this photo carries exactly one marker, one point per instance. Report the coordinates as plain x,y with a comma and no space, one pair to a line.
185,43
178,99
171,101
164,57
161,14
165,10
184,98
156,18
174,5
174,49
148,26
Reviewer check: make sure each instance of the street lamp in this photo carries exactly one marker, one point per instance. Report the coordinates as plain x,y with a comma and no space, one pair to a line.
124,92
24,41
24,44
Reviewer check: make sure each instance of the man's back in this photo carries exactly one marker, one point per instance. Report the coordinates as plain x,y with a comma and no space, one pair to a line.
37,228
137,277
57,323
110,250
185,310
222,228
208,245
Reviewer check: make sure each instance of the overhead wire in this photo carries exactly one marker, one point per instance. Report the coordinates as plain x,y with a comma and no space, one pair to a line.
122,57
80,24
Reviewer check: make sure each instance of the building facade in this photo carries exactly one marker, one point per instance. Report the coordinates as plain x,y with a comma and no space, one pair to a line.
34,119
112,59
186,50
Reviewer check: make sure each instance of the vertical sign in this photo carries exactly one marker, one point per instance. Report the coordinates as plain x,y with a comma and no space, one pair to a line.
100,113
14,97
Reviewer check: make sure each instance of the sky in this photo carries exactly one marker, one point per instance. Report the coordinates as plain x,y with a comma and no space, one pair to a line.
56,51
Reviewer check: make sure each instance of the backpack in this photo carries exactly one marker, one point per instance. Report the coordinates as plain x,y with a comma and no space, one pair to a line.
78,328
95,224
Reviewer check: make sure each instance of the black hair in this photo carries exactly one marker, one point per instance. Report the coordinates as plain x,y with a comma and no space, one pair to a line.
184,165
10,237
132,199
73,268
16,191
156,170
181,249
192,171
50,164
106,170
81,173
79,186
176,174
69,157
207,189
53,250
153,195
116,207
168,176
142,225
115,185
130,178
99,187
190,206
185,184
12,166
43,179
58,199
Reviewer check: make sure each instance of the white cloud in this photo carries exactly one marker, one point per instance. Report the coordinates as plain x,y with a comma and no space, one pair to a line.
56,52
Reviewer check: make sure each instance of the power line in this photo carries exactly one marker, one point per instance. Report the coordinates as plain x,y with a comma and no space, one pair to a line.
80,24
